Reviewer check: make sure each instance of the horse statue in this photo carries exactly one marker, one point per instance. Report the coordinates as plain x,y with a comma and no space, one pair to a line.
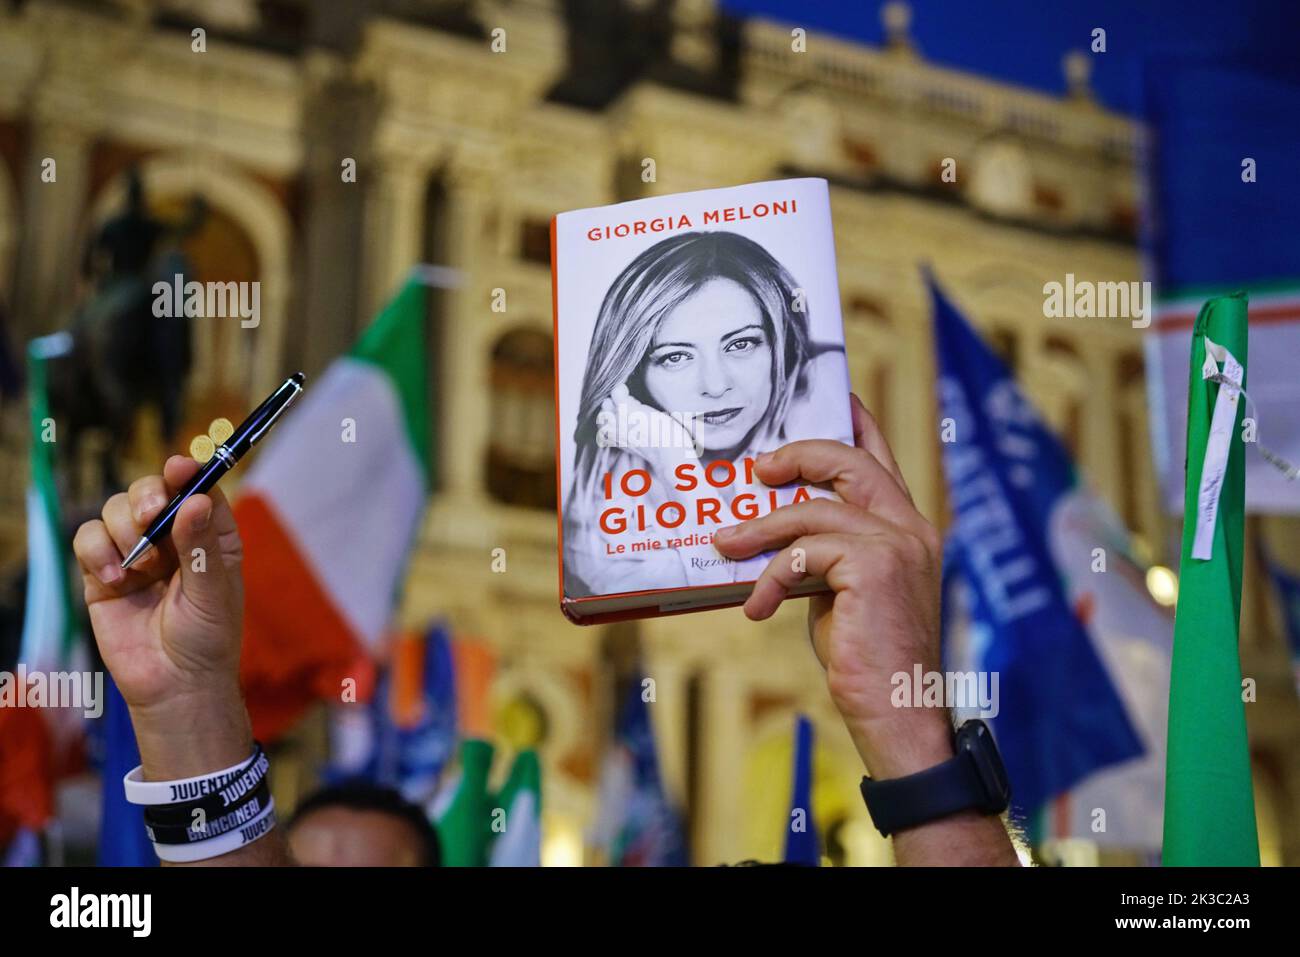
123,357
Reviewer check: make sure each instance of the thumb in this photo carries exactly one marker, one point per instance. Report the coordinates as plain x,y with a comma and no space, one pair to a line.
204,581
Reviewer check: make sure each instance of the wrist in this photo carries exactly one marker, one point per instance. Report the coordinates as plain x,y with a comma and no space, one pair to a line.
897,745
193,734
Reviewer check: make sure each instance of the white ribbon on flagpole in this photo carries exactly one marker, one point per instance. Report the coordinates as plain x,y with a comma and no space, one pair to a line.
1218,445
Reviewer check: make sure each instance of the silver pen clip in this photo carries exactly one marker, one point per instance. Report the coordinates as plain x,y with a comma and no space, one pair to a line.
257,436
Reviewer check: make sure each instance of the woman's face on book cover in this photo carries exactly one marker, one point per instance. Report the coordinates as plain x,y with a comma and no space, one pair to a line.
711,359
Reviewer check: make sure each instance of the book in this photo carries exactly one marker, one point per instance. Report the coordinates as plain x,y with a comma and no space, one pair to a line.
692,333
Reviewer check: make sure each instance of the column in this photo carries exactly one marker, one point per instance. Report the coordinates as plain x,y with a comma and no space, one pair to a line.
1099,448
330,297
466,420
394,223
718,825
668,667
50,249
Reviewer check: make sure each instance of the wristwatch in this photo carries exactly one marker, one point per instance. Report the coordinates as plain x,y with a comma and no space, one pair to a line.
973,779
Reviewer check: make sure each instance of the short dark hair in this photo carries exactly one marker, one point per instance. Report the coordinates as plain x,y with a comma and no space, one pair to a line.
364,796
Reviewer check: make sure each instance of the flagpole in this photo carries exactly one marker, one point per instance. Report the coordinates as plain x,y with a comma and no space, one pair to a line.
1209,798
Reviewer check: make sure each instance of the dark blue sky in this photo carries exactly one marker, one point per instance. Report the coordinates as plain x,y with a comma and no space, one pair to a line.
1022,41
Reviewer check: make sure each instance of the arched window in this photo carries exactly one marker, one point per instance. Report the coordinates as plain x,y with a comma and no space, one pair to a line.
219,251
521,451
241,234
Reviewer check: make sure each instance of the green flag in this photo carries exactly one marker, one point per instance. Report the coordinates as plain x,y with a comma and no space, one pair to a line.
49,626
517,835
465,825
1209,801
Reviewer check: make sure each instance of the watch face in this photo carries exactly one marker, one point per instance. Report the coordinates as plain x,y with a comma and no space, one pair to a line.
975,738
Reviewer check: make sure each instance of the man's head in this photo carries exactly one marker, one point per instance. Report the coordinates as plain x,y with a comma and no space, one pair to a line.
360,825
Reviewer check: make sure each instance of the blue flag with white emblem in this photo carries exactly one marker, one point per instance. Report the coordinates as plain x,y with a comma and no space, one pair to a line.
1057,715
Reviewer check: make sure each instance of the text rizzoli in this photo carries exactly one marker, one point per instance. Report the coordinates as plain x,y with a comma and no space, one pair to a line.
710,217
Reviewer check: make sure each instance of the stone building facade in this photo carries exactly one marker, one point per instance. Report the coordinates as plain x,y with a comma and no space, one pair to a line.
471,122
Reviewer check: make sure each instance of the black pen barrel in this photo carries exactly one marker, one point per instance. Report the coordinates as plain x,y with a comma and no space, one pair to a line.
253,427
222,461
203,480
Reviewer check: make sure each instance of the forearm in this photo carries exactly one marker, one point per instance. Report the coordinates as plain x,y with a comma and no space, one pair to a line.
197,736
968,839
913,742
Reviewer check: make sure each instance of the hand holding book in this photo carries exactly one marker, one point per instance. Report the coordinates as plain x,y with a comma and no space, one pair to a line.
881,558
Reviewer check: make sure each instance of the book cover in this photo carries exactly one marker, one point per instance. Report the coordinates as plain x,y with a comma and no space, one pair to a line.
692,333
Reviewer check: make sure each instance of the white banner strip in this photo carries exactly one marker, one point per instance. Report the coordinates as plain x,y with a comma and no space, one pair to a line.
1218,445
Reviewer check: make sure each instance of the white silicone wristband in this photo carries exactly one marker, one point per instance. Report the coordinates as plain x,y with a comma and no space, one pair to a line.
178,792
255,829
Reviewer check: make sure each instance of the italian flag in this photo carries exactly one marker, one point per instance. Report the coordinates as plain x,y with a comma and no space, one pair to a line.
328,515
48,624
28,735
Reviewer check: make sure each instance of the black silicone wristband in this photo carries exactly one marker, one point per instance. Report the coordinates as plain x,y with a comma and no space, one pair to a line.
252,804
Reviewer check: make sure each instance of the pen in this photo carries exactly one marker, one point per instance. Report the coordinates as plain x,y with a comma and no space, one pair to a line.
224,459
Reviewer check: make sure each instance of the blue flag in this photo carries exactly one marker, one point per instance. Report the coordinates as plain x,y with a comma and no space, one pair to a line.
638,826
122,840
371,745
801,843
1058,716
421,750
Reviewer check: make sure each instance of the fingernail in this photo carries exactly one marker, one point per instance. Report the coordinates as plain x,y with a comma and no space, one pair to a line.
763,458
111,574
201,522
724,533
151,504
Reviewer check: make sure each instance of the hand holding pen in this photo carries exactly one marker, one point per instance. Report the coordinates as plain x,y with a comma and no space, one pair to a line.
169,628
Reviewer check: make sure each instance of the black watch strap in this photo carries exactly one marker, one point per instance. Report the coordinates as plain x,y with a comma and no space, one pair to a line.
956,785
928,795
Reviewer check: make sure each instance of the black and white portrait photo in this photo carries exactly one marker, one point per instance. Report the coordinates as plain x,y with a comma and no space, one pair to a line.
705,351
